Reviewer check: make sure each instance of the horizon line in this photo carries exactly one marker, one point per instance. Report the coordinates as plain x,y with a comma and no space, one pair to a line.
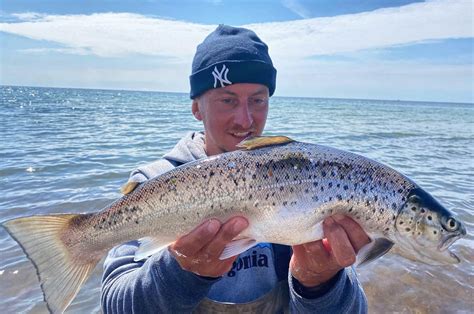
277,96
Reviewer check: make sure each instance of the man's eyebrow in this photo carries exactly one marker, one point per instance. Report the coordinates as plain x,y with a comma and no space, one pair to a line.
261,91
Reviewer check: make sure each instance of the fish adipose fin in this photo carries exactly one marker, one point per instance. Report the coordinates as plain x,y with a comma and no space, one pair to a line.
236,247
128,187
373,250
61,275
262,141
148,247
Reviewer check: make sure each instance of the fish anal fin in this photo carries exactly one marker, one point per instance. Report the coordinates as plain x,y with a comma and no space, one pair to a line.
262,141
373,250
149,246
236,247
61,272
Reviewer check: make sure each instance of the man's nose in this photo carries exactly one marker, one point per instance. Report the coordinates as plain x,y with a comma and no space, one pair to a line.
243,116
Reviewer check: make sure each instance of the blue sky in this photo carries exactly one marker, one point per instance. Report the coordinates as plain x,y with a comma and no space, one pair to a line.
409,50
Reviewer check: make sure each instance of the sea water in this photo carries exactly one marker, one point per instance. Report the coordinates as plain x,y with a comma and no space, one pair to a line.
70,150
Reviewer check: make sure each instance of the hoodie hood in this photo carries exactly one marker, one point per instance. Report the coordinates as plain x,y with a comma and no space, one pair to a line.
191,147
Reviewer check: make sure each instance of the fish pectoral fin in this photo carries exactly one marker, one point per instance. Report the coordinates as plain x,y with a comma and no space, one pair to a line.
262,141
236,247
373,250
149,246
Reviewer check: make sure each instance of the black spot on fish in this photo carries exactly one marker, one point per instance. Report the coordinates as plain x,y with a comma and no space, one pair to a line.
413,208
422,210
315,198
394,206
346,187
250,197
285,203
330,184
435,232
400,223
291,189
367,203
407,229
322,188
400,190
315,184
281,188
339,197
430,218
323,173
364,190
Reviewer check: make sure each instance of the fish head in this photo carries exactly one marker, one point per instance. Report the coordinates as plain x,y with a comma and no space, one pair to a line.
425,229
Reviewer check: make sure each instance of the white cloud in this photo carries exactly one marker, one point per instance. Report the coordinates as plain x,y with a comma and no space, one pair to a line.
296,7
116,34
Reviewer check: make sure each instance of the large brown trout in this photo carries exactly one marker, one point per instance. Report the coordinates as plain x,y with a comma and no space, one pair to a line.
284,188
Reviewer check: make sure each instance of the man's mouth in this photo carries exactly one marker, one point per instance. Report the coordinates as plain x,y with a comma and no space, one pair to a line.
241,135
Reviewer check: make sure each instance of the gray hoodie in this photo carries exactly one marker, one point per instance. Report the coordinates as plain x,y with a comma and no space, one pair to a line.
258,281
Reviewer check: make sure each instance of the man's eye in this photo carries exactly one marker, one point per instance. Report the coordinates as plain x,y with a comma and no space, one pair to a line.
227,101
259,101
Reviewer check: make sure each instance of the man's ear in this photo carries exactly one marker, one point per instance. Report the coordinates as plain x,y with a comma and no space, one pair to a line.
196,110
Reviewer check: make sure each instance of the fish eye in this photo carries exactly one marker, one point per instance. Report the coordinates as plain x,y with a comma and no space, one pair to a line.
451,224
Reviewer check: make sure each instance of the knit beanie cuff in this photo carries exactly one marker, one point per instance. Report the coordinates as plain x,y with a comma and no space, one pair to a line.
232,72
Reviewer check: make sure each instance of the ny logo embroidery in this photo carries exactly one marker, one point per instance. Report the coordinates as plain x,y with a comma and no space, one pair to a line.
218,76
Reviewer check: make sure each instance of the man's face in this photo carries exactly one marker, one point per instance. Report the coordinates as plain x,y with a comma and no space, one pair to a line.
231,114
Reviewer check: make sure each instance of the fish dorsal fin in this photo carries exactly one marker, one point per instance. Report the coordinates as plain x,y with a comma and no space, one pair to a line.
373,250
262,141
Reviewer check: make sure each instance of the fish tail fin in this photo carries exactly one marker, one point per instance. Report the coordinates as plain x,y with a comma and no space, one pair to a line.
61,273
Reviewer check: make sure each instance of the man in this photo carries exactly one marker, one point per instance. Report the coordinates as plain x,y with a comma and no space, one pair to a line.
232,80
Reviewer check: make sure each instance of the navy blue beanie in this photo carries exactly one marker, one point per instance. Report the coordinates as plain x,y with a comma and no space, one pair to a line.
231,55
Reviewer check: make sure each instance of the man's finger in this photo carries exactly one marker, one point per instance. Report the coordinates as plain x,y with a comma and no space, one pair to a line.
191,243
341,246
354,231
226,234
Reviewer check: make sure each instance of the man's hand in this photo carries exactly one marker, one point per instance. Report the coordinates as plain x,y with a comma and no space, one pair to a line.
199,250
317,262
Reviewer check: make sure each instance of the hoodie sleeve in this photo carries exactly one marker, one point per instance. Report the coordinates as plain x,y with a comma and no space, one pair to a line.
343,294
158,285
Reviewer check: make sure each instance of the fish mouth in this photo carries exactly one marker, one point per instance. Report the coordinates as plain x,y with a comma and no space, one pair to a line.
448,241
